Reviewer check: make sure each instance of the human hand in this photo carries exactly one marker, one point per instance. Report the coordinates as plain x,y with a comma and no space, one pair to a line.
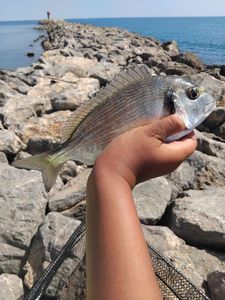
142,153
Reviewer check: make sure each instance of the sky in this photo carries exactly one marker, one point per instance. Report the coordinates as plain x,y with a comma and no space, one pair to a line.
65,9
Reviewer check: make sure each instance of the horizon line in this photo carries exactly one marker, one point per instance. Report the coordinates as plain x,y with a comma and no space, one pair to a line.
130,17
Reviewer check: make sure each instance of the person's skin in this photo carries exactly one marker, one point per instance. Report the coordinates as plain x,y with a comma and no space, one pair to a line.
118,263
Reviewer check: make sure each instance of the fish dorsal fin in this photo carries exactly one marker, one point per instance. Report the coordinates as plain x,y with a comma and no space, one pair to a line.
121,80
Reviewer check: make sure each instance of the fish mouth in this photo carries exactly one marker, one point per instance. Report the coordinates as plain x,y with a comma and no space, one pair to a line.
209,108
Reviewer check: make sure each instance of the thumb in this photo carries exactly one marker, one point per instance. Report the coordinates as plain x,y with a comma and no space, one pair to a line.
166,127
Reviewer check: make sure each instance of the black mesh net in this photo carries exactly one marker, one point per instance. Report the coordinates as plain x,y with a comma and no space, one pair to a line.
173,284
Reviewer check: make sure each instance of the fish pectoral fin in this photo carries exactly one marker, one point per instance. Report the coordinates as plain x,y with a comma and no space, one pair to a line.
41,162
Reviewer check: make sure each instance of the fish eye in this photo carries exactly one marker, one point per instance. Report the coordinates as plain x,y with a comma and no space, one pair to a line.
193,93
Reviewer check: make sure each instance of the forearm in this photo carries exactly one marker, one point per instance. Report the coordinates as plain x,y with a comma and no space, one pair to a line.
118,263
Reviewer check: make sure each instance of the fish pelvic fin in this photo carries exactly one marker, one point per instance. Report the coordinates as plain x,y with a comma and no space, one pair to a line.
43,162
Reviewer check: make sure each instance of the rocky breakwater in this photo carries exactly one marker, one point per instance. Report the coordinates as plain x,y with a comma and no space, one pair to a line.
184,219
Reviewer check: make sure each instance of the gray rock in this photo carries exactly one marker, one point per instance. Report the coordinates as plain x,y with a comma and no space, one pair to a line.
104,72
5,92
42,132
175,68
171,48
222,70
216,118
72,193
51,237
216,284
23,202
199,218
220,131
210,146
10,142
70,98
11,287
151,199
20,108
68,171
11,257
194,263
3,158
191,59
209,170
183,178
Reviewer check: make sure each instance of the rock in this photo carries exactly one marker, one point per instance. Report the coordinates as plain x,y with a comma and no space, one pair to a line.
71,98
104,72
3,158
191,59
19,108
11,287
42,133
171,48
10,142
5,92
61,65
51,237
71,194
68,171
30,54
201,213
151,199
183,178
220,131
11,257
23,202
175,68
216,284
215,119
210,146
222,70
194,263
209,170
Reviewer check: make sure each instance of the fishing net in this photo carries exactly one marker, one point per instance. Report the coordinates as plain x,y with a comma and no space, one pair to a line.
173,284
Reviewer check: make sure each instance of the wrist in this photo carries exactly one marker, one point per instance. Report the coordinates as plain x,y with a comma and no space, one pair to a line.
117,172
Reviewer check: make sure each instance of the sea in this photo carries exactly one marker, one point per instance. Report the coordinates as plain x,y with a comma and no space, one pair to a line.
204,36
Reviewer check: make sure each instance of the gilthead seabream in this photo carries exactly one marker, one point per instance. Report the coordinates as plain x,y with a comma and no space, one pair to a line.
132,98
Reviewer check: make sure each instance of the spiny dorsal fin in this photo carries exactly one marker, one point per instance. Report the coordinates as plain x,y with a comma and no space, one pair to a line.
121,80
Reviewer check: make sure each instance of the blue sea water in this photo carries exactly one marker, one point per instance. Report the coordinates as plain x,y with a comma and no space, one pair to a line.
204,36
16,39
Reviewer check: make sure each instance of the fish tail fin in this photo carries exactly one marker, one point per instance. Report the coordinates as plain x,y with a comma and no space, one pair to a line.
44,163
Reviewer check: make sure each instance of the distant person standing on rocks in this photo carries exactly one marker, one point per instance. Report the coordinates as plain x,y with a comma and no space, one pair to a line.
48,15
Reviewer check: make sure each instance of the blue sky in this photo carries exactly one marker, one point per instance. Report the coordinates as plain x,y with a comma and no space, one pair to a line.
36,9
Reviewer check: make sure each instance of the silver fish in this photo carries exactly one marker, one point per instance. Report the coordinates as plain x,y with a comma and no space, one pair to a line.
132,98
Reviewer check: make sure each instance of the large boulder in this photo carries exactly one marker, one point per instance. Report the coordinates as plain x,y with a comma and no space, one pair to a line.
23,204
198,217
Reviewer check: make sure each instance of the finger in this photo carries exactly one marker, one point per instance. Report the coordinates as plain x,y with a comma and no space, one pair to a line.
166,127
182,148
